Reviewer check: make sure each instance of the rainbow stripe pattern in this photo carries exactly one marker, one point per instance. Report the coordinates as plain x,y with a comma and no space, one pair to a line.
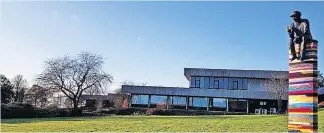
303,96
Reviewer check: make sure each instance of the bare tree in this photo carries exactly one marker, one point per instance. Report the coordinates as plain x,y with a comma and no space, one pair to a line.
120,97
277,86
74,75
38,95
20,87
94,91
320,80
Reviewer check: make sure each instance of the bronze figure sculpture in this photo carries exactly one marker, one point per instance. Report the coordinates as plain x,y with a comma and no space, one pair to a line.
299,33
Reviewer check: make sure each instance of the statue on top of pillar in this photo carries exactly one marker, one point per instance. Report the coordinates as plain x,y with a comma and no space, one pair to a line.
299,33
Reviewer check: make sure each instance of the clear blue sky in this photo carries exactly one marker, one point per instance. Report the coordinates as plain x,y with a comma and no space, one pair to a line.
152,41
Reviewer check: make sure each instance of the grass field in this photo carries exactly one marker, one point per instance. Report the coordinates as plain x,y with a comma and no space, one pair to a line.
233,123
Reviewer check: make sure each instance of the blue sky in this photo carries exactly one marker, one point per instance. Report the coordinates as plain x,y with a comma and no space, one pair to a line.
152,41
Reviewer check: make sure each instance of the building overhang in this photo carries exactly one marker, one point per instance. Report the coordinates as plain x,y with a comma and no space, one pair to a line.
198,92
234,73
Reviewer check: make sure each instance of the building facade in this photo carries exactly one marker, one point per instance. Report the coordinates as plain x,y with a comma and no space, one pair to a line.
214,90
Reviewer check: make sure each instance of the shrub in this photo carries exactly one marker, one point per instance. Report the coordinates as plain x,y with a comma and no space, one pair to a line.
46,112
51,107
157,111
161,106
123,111
17,110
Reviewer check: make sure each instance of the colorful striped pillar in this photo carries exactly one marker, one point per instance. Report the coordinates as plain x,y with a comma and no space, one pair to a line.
303,96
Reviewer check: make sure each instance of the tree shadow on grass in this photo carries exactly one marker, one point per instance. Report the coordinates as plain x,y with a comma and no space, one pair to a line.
36,120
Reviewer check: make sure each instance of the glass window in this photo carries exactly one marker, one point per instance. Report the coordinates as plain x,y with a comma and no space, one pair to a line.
225,83
230,83
216,84
211,82
207,82
237,104
263,103
200,102
219,102
221,83
235,85
158,99
197,83
192,81
245,84
240,83
140,99
178,100
202,82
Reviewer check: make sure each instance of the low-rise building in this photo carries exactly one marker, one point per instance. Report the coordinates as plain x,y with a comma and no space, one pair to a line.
214,90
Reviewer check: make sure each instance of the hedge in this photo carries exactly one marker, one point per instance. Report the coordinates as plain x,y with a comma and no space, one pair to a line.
17,110
22,110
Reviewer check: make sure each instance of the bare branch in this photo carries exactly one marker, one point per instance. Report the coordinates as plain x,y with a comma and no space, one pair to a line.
277,86
75,75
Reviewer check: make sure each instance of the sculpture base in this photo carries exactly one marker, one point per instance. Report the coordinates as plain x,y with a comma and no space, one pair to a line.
303,96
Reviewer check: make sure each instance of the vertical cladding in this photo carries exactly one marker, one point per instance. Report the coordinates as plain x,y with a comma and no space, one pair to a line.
303,96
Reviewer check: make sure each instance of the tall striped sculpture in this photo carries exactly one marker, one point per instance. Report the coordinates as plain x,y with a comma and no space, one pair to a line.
303,96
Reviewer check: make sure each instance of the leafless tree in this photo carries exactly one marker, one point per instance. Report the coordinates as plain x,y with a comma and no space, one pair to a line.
68,103
277,86
20,87
38,95
320,80
74,75
120,97
94,91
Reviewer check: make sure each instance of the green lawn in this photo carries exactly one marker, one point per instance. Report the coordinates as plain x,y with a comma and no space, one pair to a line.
233,123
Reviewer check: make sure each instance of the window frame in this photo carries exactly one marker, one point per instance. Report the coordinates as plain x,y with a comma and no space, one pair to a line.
197,86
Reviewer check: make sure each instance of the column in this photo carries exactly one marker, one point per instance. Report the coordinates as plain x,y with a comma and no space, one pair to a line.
149,101
168,102
208,103
227,105
303,96
187,102
247,106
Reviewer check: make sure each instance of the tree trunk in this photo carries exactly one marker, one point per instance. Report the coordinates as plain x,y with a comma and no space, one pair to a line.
279,105
75,107
35,102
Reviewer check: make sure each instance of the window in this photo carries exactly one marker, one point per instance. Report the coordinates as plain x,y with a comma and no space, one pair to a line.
235,85
197,83
245,84
216,84
239,105
219,102
206,81
140,99
178,100
263,103
158,99
200,102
